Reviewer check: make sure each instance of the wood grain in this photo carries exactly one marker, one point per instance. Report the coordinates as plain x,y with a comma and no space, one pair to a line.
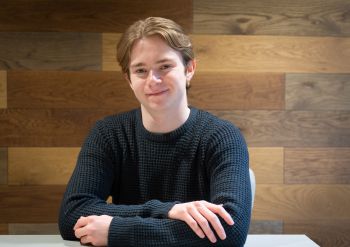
91,89
326,233
34,229
272,17
53,166
266,227
301,202
68,127
292,128
272,54
41,166
267,164
88,15
3,89
50,51
318,91
238,53
109,51
317,165
30,204
3,229
3,166
69,89
228,91
47,128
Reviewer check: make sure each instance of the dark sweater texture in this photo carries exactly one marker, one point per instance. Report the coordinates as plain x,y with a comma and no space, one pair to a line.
147,174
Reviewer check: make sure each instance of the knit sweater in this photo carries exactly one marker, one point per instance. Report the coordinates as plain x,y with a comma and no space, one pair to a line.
148,173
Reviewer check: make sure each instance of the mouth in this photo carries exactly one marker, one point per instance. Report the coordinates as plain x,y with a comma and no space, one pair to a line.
157,93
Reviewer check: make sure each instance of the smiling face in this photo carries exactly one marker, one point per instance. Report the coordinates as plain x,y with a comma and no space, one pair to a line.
158,75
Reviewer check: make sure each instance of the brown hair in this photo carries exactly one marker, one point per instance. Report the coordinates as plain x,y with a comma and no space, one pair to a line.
171,32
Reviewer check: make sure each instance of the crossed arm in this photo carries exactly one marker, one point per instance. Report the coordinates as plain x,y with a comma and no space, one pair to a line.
154,223
198,215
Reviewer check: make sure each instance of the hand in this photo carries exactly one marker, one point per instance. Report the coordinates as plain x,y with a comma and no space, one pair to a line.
199,214
93,229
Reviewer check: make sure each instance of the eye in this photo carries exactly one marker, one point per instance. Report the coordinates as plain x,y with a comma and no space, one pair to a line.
165,66
140,71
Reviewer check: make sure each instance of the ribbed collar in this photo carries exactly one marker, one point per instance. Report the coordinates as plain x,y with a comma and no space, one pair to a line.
165,137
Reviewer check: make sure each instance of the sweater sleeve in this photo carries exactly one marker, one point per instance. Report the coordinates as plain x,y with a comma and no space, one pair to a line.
91,184
228,171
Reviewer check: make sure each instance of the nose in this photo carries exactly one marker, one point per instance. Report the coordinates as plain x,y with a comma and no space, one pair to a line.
154,77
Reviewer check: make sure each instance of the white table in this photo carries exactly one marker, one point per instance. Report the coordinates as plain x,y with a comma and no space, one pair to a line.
56,241
279,241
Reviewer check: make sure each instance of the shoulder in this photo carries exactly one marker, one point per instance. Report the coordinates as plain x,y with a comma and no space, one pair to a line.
115,126
117,121
215,123
112,132
124,117
218,130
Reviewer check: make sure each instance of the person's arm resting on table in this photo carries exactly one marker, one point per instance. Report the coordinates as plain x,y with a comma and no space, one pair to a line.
156,223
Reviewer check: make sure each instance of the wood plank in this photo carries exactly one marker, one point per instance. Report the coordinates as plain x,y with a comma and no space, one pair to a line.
47,128
30,204
91,89
318,91
3,229
317,165
68,127
228,91
50,51
238,53
267,164
41,166
3,89
53,166
301,202
34,229
3,166
50,166
87,15
326,233
292,128
272,53
272,17
69,89
109,51
266,227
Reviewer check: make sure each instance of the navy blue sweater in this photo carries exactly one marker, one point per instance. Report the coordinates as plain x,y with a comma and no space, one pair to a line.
147,174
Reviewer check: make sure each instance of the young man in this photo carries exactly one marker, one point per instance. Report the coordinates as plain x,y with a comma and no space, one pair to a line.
178,176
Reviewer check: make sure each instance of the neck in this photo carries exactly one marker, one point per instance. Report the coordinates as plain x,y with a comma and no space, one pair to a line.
164,122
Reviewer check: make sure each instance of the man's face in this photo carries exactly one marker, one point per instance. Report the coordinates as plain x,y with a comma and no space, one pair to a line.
158,75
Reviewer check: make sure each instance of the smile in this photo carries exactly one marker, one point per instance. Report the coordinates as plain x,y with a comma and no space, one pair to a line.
158,93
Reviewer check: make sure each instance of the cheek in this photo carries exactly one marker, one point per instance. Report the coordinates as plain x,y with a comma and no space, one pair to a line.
134,84
178,76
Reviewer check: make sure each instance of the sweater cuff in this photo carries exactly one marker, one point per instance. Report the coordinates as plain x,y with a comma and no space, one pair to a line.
120,233
162,209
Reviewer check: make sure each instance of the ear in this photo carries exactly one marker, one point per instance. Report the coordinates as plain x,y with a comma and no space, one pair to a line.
190,69
127,78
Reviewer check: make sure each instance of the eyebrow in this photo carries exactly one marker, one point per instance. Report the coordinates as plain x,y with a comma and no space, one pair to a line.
158,62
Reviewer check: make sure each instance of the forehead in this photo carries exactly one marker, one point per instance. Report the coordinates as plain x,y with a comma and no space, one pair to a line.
152,48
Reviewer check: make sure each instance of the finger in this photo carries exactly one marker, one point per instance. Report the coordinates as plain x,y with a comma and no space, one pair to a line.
194,226
203,222
80,232
214,221
85,240
82,221
220,210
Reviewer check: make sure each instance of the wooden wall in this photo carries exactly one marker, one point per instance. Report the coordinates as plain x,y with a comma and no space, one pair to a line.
278,69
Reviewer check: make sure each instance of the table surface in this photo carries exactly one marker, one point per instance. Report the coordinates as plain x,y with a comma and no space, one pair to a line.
56,241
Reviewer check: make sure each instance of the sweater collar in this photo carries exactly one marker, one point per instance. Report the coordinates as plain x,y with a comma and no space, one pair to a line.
169,136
